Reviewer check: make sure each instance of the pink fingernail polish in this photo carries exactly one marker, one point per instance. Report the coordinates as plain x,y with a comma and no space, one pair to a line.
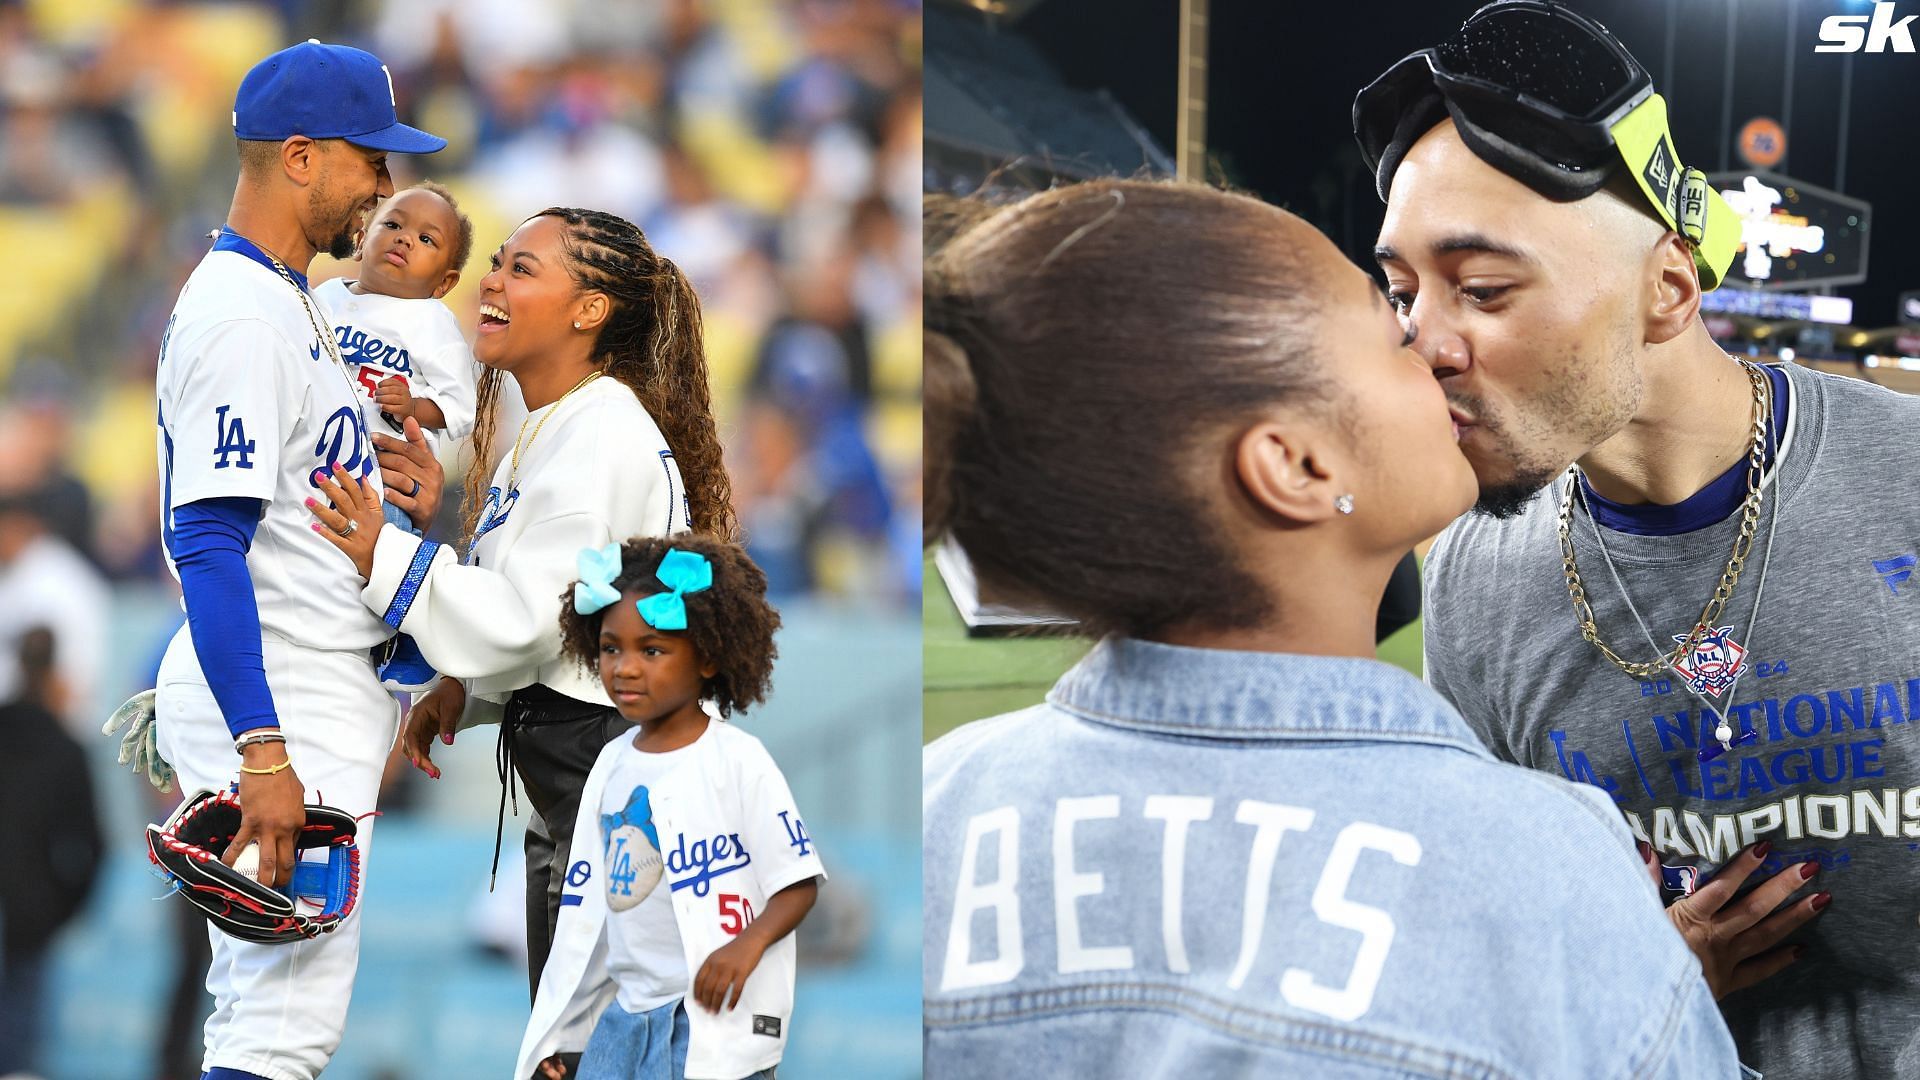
447,739
316,526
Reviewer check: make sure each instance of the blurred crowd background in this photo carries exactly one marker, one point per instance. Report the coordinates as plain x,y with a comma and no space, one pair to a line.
769,147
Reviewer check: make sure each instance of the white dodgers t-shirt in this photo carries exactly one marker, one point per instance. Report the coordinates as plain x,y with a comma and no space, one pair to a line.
252,404
644,953
418,340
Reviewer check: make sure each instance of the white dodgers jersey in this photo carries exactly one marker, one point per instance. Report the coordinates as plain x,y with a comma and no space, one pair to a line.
253,404
381,337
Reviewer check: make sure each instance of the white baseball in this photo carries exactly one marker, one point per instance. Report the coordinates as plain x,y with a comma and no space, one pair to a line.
249,861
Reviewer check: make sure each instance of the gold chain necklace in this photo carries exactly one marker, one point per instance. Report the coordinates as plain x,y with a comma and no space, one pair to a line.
306,302
1729,576
313,318
513,474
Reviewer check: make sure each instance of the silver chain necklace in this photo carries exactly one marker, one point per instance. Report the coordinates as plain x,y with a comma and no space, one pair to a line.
1723,728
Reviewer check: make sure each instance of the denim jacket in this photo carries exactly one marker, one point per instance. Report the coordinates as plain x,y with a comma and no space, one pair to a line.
1199,863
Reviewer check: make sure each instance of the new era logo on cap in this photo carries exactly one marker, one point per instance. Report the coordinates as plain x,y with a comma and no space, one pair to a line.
325,92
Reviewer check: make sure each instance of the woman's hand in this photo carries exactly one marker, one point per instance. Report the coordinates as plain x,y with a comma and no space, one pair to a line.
353,522
435,713
1738,940
413,476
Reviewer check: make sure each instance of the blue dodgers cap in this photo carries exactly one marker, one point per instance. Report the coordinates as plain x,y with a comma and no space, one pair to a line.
325,92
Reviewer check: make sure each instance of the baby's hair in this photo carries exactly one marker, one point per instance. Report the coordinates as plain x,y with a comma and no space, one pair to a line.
730,623
1089,351
463,242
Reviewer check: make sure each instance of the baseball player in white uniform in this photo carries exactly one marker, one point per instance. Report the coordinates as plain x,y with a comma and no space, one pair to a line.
272,680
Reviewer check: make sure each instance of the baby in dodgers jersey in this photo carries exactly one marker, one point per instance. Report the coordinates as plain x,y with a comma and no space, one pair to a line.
674,954
403,345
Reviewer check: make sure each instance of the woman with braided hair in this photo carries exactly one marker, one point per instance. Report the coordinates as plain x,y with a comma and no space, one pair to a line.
603,337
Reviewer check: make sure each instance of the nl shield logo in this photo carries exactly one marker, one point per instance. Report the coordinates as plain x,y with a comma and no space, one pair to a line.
1716,660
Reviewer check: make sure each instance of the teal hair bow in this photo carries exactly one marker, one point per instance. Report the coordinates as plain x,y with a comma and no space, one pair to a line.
683,572
598,568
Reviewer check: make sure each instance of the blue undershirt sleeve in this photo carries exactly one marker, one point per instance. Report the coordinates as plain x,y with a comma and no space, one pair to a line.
210,542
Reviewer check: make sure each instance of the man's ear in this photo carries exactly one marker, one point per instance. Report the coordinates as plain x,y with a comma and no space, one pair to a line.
300,159
1676,289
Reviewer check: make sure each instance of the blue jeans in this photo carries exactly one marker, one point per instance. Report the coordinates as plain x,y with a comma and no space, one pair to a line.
398,517
641,1046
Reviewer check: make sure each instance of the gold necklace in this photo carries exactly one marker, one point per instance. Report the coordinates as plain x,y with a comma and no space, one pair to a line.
313,317
513,474
1729,576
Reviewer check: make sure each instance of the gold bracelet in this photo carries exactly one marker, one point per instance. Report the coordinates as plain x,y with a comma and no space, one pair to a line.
287,764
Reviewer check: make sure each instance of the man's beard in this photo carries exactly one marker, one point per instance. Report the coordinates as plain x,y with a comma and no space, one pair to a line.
1507,500
1509,497
342,245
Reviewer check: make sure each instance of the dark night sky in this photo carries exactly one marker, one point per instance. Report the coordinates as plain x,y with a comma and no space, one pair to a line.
1284,75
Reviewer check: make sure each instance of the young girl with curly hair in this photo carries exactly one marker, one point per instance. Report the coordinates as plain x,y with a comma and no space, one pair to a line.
673,955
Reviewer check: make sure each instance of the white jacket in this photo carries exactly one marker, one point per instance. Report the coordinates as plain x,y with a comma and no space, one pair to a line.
598,471
731,837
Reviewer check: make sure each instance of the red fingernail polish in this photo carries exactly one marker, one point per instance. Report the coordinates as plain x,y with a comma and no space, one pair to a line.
1808,869
448,739
1821,900
1645,849
1760,849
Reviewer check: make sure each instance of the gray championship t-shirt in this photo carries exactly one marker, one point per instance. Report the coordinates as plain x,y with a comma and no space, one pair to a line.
1831,685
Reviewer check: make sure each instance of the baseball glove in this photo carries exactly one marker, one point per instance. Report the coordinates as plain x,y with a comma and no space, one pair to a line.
186,849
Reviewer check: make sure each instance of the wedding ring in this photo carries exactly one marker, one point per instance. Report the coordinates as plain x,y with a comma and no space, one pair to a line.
348,531
415,491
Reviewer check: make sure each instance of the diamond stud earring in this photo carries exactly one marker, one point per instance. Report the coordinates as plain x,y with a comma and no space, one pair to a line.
1344,504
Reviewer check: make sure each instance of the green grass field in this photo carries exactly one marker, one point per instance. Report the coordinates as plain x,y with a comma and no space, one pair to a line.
970,678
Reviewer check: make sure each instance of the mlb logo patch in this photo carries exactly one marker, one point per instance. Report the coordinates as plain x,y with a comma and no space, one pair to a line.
1681,880
766,1025
1716,660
